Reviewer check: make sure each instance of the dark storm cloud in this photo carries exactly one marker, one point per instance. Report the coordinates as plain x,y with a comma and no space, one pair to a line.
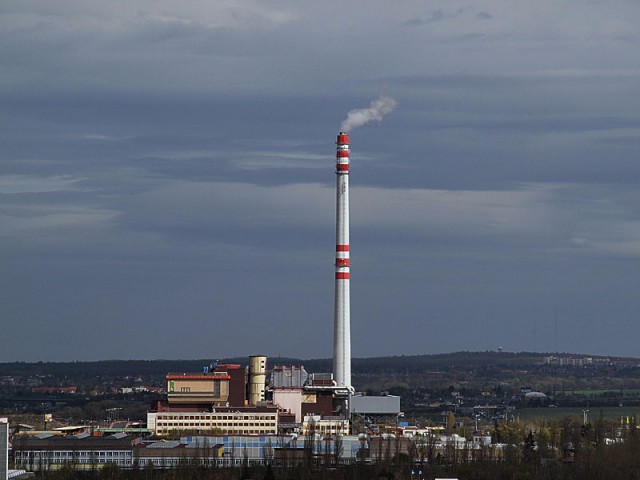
169,168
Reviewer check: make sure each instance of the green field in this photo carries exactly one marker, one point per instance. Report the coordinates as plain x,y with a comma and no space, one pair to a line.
611,393
609,413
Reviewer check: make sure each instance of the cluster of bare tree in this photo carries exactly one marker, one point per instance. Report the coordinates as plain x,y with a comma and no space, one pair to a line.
561,449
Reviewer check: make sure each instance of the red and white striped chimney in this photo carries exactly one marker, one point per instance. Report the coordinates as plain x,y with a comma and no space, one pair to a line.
342,309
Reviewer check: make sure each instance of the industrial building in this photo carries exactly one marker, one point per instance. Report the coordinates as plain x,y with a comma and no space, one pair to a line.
255,421
234,400
82,450
87,452
218,400
219,385
224,398
231,399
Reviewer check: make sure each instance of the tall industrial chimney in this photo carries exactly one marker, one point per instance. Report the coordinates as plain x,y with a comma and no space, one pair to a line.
342,310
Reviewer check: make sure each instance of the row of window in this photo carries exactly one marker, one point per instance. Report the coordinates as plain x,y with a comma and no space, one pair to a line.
168,462
62,461
217,417
159,462
333,429
71,454
234,431
44,459
218,424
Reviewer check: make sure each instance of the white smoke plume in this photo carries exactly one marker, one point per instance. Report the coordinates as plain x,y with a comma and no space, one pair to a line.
361,116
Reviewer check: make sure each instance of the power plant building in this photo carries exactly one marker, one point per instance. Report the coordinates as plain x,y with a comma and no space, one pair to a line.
235,400
219,385
238,400
227,398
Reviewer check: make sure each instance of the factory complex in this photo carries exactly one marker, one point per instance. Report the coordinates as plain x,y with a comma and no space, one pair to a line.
232,400
226,409
224,416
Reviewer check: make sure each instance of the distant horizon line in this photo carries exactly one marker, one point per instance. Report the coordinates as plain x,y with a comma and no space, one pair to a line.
328,359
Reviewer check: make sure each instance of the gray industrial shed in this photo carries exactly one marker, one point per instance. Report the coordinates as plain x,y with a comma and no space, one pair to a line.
379,405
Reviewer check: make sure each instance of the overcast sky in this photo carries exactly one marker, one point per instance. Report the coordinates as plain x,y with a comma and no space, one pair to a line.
167,177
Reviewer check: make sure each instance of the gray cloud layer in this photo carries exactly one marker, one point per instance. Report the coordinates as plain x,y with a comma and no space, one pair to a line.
168,168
